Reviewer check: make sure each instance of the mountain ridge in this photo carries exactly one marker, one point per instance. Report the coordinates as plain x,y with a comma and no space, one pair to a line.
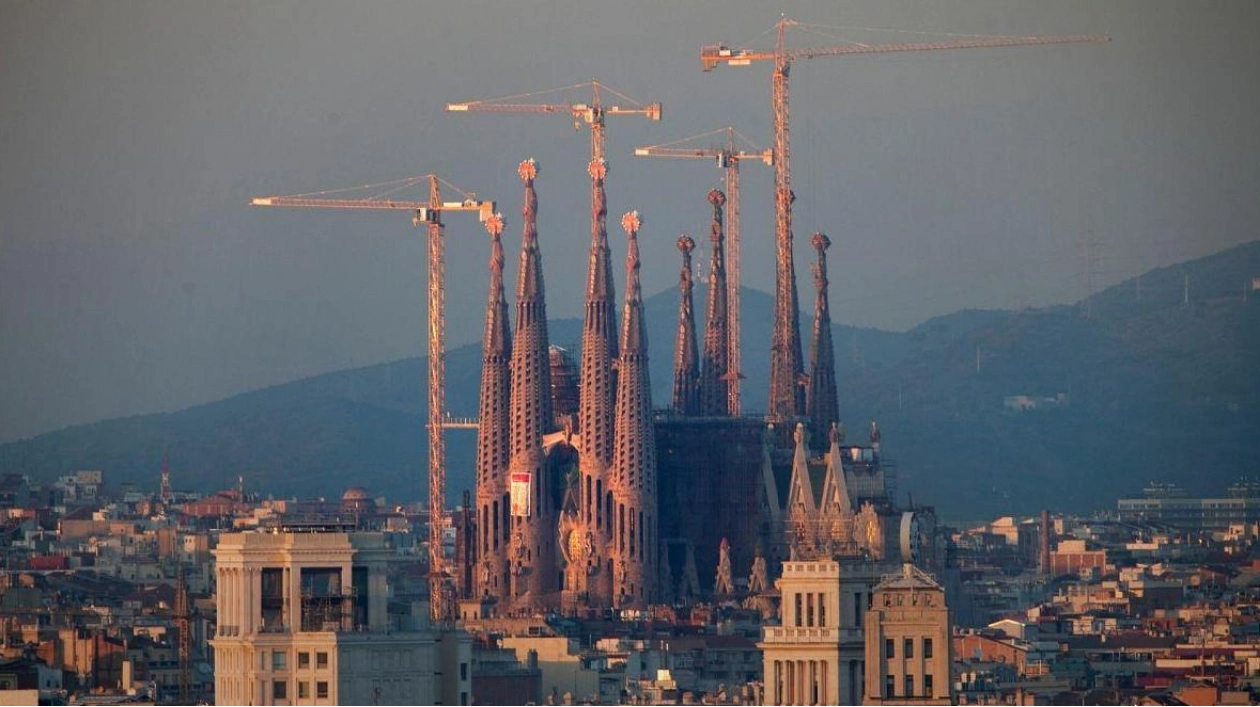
1153,389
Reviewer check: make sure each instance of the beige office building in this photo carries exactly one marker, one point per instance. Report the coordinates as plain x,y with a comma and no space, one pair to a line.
303,619
815,655
908,633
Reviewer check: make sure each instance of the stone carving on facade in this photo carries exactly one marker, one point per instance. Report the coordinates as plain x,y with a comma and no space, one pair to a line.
869,531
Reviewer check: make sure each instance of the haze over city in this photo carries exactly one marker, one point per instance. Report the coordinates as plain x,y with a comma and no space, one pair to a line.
134,278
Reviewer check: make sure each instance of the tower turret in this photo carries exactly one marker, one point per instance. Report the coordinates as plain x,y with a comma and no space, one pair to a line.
686,397
823,406
786,399
634,463
493,446
715,365
835,509
532,551
598,390
802,511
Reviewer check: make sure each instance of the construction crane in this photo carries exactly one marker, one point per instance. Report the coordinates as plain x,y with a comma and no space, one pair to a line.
728,157
183,624
785,366
593,113
428,213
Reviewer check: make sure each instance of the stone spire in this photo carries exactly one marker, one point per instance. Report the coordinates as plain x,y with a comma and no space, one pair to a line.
823,404
634,462
722,585
786,400
686,398
493,533
532,550
689,587
714,396
835,509
801,508
666,586
835,494
598,390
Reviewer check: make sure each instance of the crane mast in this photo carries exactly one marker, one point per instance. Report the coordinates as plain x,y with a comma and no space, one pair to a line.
439,594
727,157
183,624
592,113
429,213
733,312
786,372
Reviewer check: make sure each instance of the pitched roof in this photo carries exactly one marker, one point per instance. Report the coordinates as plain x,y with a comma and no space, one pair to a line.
911,577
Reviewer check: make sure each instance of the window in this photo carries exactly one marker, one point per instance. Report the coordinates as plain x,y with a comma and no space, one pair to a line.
463,671
278,660
304,660
890,648
907,648
321,660
279,690
321,690
304,690
822,611
927,648
890,689
799,614
272,599
809,609
927,685
909,686
321,603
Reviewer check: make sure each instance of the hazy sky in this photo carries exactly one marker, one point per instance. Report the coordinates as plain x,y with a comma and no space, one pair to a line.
134,277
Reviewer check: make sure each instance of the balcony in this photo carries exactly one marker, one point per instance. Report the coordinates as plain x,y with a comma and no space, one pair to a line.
801,634
811,634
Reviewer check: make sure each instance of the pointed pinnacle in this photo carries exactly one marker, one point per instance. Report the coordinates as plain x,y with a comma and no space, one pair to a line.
528,170
494,225
631,223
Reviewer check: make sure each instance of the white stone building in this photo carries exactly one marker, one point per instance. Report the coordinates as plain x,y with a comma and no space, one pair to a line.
815,656
303,620
908,642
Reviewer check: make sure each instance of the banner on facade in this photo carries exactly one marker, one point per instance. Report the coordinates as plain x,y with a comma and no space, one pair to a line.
522,481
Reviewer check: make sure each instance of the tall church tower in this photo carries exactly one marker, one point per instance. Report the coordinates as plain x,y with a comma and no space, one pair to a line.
493,446
598,381
686,397
532,546
716,361
786,400
822,403
634,463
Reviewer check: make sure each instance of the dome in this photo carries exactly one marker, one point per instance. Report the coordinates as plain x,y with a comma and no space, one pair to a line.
356,493
357,498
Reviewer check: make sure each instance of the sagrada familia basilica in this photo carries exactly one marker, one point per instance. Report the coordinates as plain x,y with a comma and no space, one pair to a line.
590,498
